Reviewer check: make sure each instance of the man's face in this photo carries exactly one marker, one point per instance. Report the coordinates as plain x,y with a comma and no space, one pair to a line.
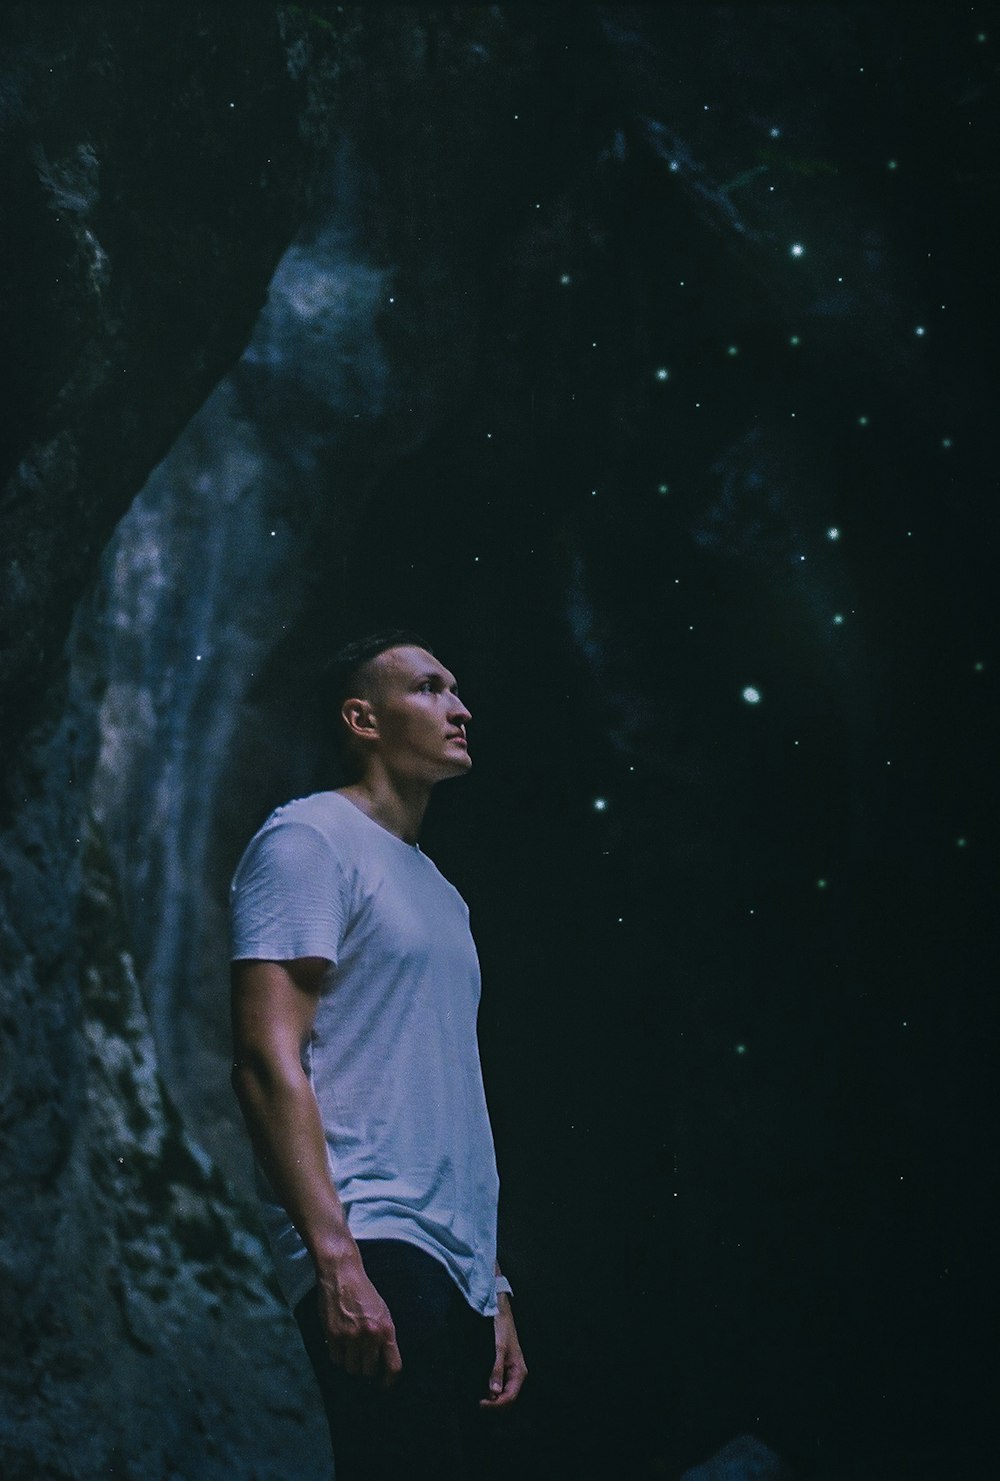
421,720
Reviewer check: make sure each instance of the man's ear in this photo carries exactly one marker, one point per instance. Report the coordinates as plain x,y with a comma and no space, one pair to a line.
359,717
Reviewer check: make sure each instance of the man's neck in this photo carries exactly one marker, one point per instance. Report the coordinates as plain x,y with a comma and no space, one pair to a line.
396,804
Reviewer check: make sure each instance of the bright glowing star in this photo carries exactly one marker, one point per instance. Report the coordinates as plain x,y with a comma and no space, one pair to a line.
946,442
920,331
565,280
663,488
978,667
593,493
674,167
197,658
392,300
733,350
775,133
600,804
833,533
663,374
892,164
475,557
862,421
797,249
821,884
274,532
961,842
794,341
741,1049
838,620
751,695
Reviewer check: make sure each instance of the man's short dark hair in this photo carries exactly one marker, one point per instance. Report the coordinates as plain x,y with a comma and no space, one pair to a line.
346,672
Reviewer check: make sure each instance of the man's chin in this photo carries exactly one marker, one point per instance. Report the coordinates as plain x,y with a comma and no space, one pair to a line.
460,764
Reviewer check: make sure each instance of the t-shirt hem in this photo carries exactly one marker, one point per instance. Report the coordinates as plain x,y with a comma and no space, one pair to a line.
266,951
389,1228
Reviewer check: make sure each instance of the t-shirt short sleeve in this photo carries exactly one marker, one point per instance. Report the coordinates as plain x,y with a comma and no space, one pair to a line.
288,896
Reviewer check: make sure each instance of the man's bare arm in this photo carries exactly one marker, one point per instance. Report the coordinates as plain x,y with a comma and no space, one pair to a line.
509,1367
273,1007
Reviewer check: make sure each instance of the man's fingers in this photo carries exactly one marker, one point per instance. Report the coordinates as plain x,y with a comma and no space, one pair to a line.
496,1377
391,1361
512,1381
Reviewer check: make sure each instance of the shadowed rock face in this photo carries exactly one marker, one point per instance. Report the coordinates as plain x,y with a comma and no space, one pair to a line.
153,172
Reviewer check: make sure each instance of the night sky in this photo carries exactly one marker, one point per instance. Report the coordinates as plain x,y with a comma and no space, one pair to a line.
712,555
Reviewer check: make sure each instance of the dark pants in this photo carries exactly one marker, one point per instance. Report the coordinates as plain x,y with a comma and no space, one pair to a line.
428,1425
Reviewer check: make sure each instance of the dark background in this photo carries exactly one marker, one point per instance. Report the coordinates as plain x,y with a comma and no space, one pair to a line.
738,1018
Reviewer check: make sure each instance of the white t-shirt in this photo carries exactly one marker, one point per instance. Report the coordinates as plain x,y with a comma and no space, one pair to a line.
393,1056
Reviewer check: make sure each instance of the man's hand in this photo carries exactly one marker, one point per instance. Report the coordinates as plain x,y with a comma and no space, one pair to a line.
360,1335
509,1370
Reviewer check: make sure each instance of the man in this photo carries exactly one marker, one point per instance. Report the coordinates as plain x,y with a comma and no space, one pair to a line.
355,992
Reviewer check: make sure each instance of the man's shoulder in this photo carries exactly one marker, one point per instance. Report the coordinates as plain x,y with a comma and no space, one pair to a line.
318,808
320,814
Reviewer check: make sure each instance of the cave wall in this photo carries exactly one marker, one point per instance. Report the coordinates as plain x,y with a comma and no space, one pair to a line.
154,170
155,166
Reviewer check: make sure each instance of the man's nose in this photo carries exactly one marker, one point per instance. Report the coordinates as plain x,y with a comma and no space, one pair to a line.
458,714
